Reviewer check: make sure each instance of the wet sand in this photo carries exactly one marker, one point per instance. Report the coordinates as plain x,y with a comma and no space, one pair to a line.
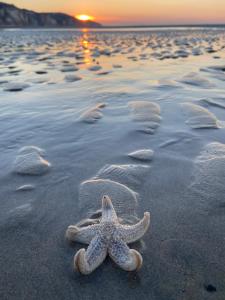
138,115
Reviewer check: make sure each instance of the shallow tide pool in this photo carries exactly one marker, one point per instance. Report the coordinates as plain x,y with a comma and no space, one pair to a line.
136,114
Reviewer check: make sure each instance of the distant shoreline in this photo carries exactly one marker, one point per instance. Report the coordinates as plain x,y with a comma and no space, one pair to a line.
118,26
160,26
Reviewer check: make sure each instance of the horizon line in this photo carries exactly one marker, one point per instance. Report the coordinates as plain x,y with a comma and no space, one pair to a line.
165,25
123,26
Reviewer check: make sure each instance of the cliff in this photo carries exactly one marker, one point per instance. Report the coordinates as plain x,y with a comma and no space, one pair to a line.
12,16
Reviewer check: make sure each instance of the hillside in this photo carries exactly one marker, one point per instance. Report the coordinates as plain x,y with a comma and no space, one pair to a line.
12,16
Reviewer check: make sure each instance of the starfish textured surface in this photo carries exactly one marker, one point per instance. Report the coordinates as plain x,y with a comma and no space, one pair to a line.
108,237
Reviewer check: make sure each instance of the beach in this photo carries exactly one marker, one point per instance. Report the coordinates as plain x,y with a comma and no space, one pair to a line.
138,114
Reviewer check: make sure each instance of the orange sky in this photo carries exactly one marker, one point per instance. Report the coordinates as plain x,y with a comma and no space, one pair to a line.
126,12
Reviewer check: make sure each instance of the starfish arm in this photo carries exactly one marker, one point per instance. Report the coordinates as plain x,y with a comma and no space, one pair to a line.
87,261
132,233
87,222
108,211
82,235
126,258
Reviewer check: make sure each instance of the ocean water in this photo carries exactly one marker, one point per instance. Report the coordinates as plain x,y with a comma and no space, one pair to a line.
74,107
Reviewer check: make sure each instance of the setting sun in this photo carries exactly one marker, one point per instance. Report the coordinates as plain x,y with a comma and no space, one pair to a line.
84,18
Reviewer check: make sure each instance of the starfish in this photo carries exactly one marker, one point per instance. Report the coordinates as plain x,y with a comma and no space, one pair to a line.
108,237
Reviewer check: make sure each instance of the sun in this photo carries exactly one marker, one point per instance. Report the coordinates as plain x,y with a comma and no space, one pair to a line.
85,18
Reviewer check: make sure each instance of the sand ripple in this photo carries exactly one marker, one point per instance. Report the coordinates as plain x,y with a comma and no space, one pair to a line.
214,102
130,175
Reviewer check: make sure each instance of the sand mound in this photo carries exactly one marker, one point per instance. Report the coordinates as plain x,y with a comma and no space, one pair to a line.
181,53
95,68
25,188
102,73
130,175
69,68
91,192
197,51
209,172
166,84
195,79
146,113
144,154
117,66
41,72
30,162
39,80
92,114
15,87
72,78
199,117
